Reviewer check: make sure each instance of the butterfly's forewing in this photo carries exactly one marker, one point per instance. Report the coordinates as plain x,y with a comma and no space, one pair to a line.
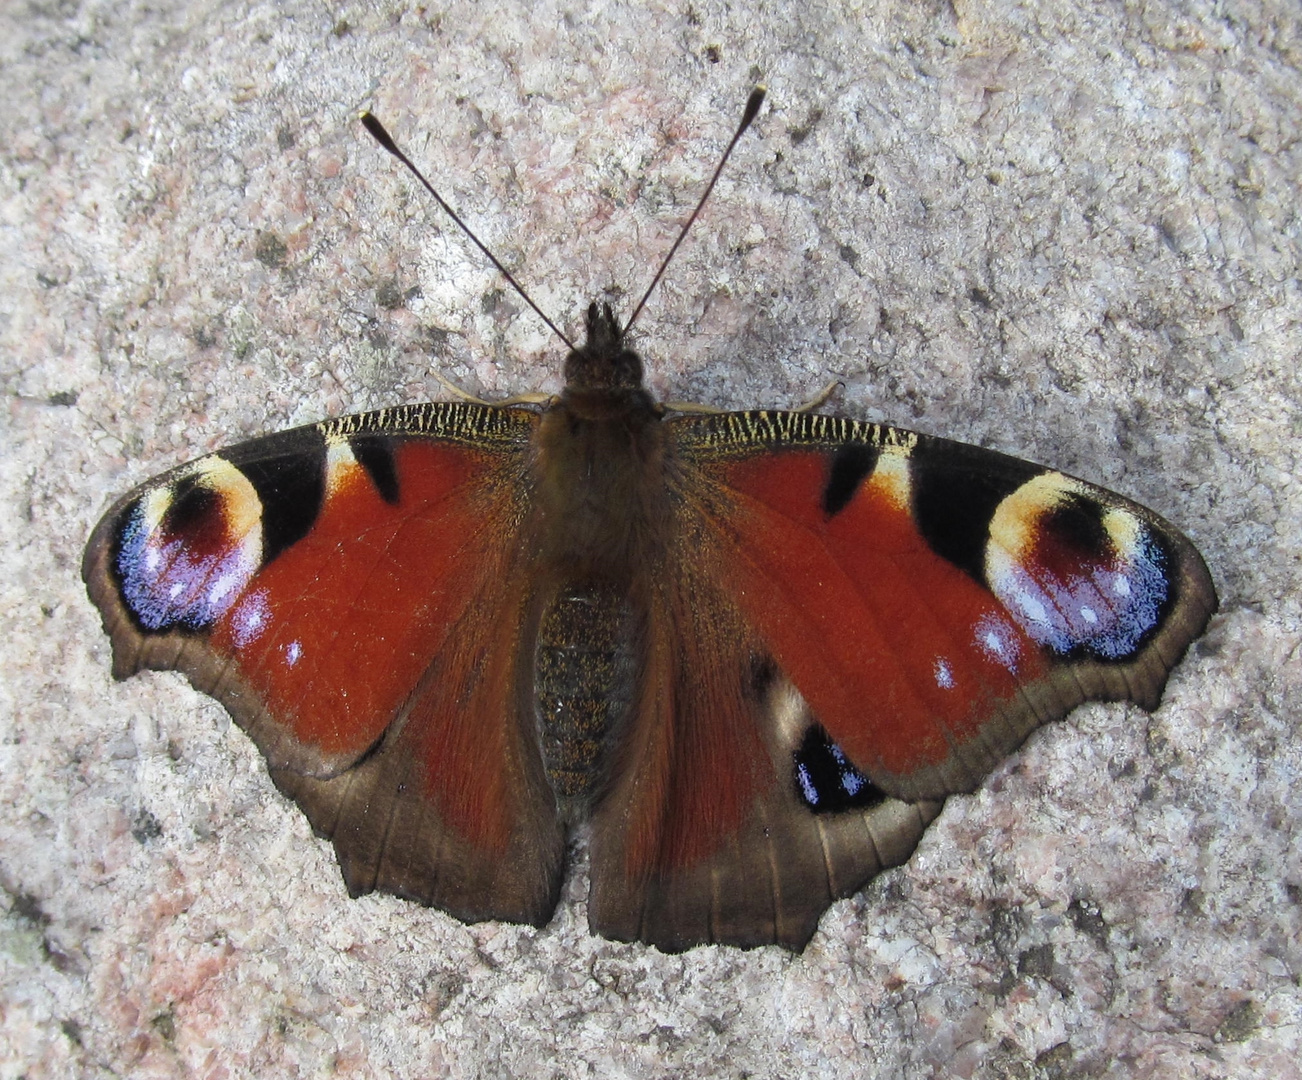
356,594
850,615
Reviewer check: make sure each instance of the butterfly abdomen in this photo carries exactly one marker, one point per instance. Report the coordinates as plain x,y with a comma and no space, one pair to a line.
584,671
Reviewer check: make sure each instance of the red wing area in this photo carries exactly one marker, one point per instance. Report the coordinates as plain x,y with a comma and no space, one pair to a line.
903,658
359,600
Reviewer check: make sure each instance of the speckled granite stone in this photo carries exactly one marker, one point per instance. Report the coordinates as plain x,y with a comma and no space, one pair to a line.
1068,231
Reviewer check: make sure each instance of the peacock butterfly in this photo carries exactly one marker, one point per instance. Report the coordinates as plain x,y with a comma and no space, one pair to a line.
752,651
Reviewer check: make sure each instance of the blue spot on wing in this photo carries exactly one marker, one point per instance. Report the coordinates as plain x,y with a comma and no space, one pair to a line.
175,576
826,781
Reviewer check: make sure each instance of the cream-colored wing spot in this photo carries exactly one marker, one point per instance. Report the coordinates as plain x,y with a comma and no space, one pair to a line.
890,477
1014,527
791,716
342,469
239,507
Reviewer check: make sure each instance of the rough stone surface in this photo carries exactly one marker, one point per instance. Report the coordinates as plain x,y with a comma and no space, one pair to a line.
1069,231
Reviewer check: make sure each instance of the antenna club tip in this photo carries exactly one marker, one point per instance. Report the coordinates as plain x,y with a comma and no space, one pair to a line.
753,104
376,130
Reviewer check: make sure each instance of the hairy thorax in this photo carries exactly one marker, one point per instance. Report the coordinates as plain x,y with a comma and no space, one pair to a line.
599,476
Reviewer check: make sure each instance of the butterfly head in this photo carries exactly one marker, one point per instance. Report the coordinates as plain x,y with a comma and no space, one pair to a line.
602,363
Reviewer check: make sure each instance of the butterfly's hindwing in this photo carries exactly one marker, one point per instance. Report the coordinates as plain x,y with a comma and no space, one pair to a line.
701,836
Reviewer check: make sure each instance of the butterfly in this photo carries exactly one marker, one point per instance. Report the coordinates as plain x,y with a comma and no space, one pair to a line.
750,653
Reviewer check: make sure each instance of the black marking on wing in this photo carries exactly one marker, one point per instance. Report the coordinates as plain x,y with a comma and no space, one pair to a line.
1078,523
192,504
291,488
375,454
954,499
850,464
826,782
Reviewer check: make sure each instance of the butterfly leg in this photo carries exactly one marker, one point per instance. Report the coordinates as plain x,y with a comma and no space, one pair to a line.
516,399
822,397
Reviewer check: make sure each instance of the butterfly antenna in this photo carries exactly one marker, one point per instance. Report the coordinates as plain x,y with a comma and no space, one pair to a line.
377,132
752,109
